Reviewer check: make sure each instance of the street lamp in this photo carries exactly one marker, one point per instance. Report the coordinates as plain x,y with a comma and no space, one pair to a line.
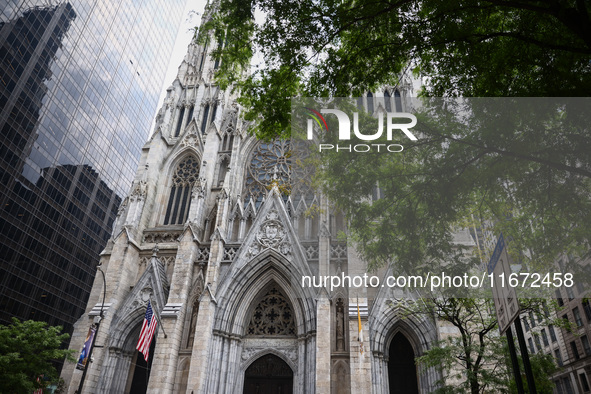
98,324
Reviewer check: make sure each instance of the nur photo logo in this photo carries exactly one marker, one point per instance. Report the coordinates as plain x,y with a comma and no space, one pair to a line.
395,122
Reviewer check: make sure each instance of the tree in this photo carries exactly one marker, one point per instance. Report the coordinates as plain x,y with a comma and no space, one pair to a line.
543,367
475,358
521,165
344,48
471,360
27,352
539,176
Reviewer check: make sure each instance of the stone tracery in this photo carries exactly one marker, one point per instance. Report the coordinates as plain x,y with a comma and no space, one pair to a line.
272,316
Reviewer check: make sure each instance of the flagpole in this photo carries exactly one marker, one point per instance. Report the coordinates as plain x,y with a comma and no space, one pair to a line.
158,319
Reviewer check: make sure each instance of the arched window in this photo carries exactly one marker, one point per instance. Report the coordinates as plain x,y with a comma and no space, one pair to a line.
179,200
227,142
204,120
190,116
179,121
370,103
203,57
217,58
272,316
398,101
360,103
387,102
272,162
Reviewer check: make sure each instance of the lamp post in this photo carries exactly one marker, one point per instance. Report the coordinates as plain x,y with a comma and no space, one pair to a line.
98,324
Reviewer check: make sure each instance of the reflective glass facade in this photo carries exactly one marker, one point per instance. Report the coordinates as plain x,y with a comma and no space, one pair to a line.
79,85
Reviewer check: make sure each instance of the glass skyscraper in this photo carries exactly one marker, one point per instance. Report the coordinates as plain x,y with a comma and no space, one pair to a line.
79,85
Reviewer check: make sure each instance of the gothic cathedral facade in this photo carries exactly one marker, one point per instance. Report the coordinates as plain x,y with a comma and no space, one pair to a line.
207,237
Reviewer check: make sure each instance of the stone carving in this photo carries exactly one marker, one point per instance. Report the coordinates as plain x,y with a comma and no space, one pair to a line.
272,316
223,195
202,255
122,207
271,235
161,237
312,252
139,191
199,188
292,354
324,231
191,140
338,251
167,260
229,253
248,353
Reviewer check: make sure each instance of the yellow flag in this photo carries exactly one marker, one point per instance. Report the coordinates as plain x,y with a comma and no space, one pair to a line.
360,328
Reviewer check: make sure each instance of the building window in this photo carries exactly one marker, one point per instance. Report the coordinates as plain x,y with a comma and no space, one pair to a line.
218,58
552,333
526,324
190,116
570,293
573,347
376,193
271,163
227,142
558,357
565,318
559,297
545,337
577,316
272,316
584,383
532,319
586,346
580,287
179,122
530,342
568,387
538,344
179,200
204,119
587,309
370,103
397,101
387,103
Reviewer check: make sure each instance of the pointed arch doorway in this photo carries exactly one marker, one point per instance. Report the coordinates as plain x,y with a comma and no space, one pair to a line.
402,371
268,374
140,372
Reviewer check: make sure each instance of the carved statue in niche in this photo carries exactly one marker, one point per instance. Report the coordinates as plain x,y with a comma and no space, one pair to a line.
340,325
192,324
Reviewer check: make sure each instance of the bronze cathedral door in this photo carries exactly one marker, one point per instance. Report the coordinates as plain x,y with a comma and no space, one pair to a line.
268,375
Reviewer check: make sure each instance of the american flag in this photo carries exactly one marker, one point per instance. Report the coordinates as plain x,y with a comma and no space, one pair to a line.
147,333
40,389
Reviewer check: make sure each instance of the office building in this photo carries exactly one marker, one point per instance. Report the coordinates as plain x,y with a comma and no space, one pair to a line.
79,85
